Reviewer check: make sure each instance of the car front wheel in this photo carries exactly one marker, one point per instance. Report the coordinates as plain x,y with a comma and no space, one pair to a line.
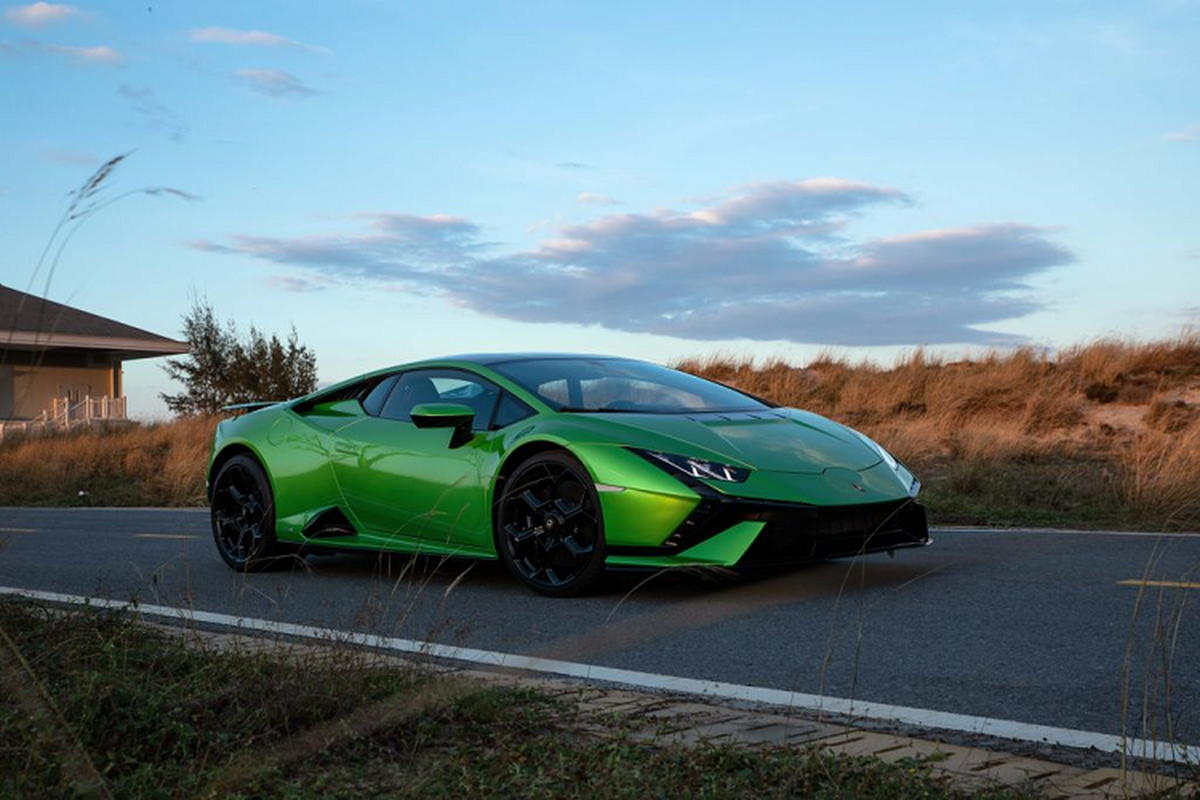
549,528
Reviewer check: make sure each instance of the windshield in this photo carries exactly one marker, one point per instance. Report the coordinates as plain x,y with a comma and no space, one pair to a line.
612,384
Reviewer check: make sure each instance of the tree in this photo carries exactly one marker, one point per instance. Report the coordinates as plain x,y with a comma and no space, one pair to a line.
222,369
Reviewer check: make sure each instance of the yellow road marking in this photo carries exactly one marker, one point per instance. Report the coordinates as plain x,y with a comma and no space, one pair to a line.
164,536
18,530
1166,584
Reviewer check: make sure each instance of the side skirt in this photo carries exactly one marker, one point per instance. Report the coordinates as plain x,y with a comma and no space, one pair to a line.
330,531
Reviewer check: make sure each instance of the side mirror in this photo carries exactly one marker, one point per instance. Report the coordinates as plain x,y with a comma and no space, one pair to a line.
446,415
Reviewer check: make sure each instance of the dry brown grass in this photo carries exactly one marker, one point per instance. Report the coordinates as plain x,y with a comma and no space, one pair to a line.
161,464
1162,475
1103,434
1127,411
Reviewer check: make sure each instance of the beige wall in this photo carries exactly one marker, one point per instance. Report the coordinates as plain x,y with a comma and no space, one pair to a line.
33,388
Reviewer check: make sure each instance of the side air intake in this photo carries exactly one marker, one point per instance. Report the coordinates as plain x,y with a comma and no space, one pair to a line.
330,523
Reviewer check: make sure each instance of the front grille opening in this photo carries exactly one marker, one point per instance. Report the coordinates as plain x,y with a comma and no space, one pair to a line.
834,532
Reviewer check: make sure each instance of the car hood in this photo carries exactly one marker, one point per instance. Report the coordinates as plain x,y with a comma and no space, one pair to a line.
781,439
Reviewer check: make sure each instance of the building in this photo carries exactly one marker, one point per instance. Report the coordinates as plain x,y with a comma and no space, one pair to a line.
61,367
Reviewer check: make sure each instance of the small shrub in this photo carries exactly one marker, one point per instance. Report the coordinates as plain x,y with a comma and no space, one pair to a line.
1170,416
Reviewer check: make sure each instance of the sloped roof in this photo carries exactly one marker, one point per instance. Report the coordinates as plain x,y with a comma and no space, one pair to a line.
27,320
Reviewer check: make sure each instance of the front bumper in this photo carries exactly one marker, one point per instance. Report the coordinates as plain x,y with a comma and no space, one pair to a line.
730,531
791,536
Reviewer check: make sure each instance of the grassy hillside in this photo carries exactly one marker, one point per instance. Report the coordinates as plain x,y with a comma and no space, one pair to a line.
1104,434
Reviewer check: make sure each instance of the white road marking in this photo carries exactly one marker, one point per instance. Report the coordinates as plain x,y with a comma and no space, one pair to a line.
164,536
18,530
1080,531
1162,584
927,718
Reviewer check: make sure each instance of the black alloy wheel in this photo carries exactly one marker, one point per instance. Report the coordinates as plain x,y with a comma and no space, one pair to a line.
243,516
549,529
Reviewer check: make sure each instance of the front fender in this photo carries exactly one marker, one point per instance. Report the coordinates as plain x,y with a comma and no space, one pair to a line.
641,505
295,456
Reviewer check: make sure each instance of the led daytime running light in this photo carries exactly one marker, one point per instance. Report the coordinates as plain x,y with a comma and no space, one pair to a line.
698,468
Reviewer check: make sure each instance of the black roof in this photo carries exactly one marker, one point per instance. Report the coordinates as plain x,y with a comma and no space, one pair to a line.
500,358
27,313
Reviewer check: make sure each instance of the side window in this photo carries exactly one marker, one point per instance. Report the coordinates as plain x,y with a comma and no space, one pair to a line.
509,411
441,386
373,402
353,391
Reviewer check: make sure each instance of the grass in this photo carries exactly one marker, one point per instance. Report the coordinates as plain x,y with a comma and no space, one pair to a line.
98,704
1100,435
142,465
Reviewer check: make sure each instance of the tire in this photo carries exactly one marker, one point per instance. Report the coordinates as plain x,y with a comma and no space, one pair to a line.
243,517
549,527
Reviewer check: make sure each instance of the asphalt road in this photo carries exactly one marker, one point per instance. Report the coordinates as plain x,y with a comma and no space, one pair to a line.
1031,626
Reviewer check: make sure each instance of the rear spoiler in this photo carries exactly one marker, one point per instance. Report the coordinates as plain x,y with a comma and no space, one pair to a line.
248,407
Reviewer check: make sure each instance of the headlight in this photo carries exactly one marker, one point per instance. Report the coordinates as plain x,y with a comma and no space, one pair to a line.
887,457
696,468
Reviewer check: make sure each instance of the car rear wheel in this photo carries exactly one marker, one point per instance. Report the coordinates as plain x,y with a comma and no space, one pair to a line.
243,516
549,529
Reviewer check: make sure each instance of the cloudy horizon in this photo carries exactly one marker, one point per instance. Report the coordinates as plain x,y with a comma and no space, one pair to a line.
771,180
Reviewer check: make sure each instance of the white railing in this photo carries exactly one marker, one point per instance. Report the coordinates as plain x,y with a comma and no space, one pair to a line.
64,411
67,413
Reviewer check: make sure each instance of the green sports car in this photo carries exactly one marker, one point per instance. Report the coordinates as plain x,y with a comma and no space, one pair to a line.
560,465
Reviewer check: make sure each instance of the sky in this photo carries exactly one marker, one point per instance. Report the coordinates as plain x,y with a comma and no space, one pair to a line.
657,180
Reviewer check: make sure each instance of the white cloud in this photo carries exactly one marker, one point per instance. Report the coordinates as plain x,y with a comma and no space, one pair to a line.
274,82
101,54
1189,134
232,36
594,199
765,261
39,15
293,283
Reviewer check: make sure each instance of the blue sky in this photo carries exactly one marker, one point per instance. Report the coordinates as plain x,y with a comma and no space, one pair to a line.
656,180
